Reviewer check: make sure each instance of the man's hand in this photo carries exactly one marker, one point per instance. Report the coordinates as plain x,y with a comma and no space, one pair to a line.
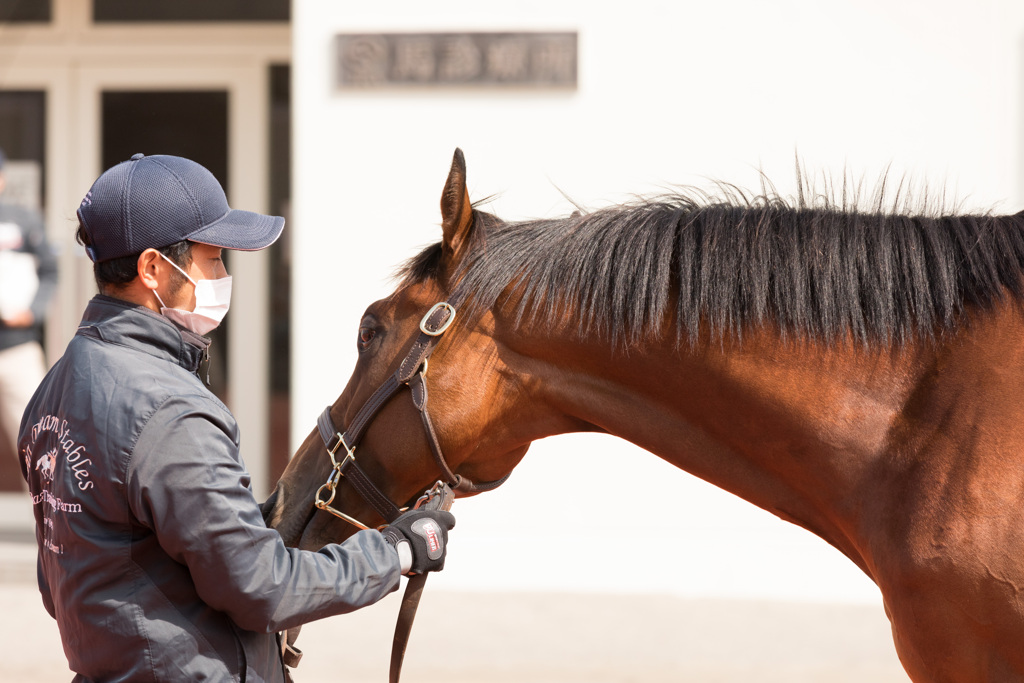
421,538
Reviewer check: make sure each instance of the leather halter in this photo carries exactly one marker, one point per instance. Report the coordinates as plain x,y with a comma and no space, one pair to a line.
411,373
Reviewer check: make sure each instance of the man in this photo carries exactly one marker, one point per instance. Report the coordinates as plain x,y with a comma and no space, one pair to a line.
28,278
153,555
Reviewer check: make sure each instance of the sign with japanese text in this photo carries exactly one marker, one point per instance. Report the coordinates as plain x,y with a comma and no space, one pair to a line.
456,59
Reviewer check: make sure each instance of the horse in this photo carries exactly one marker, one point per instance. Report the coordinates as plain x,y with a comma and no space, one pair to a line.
856,371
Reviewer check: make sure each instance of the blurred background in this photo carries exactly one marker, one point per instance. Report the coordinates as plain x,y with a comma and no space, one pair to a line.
343,116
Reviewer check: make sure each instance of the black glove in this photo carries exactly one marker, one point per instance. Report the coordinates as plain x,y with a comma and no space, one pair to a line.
425,534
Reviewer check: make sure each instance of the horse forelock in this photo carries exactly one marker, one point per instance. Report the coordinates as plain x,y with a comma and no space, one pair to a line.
423,266
819,269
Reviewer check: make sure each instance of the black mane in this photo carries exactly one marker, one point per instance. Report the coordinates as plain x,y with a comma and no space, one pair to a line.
722,265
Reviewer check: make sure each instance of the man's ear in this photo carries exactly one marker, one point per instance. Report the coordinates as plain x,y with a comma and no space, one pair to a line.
456,209
148,268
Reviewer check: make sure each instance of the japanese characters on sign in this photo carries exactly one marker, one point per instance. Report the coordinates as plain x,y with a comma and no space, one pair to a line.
456,59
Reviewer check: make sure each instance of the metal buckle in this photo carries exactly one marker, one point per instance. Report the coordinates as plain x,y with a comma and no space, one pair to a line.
444,326
350,453
431,493
334,479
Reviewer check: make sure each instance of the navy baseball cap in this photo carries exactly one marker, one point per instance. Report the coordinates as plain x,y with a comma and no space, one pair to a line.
155,201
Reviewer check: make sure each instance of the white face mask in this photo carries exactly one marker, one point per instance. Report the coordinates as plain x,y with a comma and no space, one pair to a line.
213,297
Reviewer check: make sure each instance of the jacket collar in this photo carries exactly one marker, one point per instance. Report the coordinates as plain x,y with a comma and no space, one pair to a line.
122,322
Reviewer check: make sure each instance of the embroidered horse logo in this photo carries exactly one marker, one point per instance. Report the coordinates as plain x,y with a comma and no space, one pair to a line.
46,463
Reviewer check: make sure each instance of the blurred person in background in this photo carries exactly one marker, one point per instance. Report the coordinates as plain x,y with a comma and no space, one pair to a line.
28,278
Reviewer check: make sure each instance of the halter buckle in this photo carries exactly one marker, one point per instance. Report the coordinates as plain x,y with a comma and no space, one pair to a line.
444,326
350,452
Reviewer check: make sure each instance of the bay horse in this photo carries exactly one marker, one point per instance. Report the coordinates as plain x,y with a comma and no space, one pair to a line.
857,372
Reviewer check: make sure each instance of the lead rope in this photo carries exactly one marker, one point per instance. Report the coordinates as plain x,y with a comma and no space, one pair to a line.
440,497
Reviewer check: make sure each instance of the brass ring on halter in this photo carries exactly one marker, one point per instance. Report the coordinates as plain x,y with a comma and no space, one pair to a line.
324,504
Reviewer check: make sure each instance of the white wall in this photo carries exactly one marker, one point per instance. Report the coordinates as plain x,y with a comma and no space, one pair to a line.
669,93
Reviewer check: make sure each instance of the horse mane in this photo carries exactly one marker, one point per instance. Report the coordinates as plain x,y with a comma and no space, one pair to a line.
817,269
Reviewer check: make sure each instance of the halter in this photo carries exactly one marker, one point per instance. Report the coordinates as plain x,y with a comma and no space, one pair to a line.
410,373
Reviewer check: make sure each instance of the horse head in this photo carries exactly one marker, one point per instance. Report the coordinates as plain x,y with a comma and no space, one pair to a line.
473,412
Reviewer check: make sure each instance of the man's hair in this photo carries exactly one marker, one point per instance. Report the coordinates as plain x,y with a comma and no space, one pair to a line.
118,272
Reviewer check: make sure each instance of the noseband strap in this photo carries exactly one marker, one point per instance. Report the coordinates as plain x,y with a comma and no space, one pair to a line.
410,373
352,472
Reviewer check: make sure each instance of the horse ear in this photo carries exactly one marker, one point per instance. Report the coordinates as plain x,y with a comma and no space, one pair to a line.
456,209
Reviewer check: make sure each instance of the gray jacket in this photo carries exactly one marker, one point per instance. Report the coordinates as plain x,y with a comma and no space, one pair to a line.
153,556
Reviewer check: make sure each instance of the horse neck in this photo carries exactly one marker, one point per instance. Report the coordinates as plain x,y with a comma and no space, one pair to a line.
795,428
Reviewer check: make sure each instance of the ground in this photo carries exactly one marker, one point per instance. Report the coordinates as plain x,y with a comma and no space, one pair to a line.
541,638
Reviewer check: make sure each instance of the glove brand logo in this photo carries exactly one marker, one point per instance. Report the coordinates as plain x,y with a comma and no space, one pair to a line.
432,533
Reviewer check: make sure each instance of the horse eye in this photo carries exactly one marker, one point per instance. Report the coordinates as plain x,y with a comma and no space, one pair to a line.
366,335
